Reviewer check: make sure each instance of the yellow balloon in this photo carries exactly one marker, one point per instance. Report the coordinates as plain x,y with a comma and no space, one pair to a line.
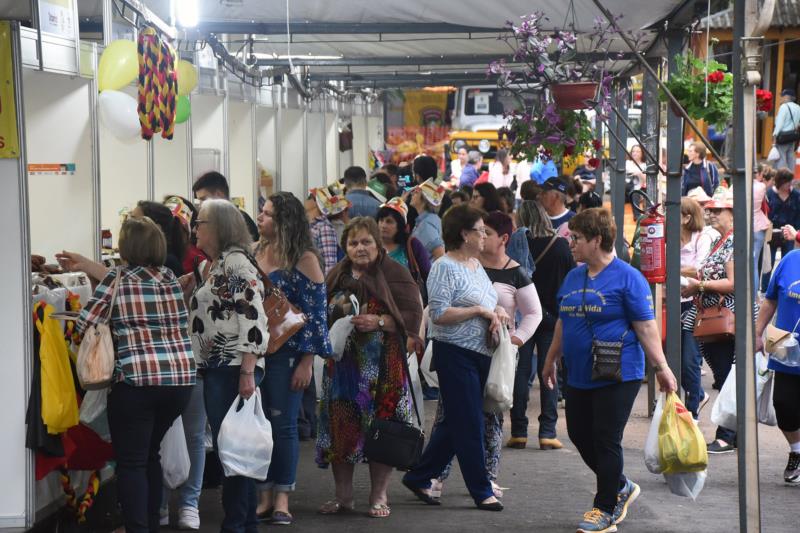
187,77
119,65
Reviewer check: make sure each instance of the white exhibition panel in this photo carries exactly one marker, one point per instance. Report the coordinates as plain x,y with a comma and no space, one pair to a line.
316,150
208,130
123,176
375,133
360,142
171,164
13,331
59,131
240,153
266,131
331,148
291,136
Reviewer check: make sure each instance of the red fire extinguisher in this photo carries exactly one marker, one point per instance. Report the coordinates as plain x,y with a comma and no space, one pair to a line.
653,246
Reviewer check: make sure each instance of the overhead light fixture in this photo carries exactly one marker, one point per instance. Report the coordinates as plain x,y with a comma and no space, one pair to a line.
187,12
260,55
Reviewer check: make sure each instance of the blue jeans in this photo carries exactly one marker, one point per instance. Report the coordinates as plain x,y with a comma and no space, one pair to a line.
221,386
720,357
758,245
462,376
691,361
281,405
548,398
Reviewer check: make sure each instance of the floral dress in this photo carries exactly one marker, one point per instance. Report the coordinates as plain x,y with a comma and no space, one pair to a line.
368,382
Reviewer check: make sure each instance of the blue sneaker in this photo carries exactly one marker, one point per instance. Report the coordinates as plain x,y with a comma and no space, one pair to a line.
625,497
597,521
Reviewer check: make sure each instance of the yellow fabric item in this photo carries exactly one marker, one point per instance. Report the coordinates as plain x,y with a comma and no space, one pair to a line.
59,400
680,444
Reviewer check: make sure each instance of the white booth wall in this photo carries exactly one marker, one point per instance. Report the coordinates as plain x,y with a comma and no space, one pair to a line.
331,148
123,175
291,136
360,142
171,164
316,150
240,154
208,134
266,135
59,130
375,138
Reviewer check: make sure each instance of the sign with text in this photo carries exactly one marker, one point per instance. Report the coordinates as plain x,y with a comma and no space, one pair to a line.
9,145
53,169
57,17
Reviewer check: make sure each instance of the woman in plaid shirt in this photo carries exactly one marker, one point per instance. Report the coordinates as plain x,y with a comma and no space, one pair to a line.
154,370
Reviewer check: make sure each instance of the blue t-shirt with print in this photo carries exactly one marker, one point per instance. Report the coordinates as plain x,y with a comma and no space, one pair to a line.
784,286
615,298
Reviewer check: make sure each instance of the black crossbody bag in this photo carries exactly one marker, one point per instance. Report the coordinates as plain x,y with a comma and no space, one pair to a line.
606,355
392,442
789,136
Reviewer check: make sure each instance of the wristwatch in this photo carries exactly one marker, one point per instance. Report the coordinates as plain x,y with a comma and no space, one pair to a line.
381,322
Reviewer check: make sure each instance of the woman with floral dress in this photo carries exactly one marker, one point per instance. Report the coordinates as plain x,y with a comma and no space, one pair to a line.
370,381
286,254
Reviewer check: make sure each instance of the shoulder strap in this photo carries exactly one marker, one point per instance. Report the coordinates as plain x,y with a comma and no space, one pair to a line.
411,388
412,259
507,263
546,249
115,286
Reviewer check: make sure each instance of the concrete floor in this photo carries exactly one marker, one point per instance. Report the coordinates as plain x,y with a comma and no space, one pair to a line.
550,490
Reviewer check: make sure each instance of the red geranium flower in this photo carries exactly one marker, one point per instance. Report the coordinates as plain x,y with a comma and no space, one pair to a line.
716,76
569,150
597,145
594,162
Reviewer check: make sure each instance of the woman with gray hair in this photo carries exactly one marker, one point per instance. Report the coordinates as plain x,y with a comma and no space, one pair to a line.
229,336
552,260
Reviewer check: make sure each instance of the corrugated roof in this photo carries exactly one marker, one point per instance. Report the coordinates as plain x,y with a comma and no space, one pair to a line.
786,15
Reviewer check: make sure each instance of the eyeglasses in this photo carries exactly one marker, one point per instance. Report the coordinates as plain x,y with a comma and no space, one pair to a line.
575,237
482,231
715,210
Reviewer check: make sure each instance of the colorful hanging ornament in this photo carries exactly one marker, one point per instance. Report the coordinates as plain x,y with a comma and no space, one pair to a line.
158,85
79,507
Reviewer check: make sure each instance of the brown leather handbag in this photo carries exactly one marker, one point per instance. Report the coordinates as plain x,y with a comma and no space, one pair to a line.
714,324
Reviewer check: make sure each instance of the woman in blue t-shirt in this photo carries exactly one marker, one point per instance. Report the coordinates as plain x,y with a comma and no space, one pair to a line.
608,300
783,295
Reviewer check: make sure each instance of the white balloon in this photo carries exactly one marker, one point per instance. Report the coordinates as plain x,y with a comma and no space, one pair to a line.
118,113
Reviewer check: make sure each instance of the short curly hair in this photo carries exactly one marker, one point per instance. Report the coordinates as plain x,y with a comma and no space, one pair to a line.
361,223
459,218
596,222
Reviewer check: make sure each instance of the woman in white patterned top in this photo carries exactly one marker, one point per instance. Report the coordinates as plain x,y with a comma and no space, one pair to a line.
464,312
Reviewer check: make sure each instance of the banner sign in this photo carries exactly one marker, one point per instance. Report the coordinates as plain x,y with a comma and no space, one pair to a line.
9,147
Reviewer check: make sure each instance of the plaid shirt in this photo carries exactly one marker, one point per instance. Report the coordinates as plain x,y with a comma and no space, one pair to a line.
149,323
324,236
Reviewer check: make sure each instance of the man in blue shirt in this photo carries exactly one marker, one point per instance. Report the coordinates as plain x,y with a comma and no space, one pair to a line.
787,121
363,203
470,173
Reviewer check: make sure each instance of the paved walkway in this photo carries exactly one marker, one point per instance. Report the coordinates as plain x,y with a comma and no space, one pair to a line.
550,490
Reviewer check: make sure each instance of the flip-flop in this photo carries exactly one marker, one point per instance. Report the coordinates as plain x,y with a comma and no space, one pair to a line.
333,507
377,510
426,498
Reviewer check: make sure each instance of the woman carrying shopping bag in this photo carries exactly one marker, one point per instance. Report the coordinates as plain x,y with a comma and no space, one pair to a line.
606,326
155,370
229,336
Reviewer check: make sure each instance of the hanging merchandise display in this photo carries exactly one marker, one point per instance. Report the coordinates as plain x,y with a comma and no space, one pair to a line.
59,401
187,77
158,85
118,113
118,66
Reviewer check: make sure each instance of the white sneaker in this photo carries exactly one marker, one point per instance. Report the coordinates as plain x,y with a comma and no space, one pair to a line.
163,514
188,518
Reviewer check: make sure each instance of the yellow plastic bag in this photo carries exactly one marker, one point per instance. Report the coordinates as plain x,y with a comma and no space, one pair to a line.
680,444
59,401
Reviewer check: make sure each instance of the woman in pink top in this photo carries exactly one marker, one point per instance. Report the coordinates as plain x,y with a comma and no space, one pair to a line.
760,219
500,172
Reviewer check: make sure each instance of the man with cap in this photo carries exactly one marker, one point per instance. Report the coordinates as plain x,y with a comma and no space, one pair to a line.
470,173
320,204
785,135
426,199
554,200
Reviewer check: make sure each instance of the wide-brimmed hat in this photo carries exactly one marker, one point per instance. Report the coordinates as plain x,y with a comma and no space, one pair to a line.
722,199
433,193
699,195
330,200
397,204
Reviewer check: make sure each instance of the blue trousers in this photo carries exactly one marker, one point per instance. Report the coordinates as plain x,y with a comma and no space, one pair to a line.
548,398
238,492
462,376
691,361
281,405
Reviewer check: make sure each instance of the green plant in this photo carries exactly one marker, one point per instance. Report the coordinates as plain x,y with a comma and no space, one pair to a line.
689,83
559,132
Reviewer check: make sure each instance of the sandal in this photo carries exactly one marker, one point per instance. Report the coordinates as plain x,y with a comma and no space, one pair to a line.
379,510
334,507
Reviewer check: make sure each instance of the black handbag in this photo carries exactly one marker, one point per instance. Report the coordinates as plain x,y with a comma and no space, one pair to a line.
606,355
789,136
395,443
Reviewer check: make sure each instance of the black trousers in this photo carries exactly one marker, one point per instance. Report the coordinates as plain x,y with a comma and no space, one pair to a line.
138,418
596,420
786,399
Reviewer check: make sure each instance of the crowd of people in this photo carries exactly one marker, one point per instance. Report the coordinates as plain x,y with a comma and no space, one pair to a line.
425,263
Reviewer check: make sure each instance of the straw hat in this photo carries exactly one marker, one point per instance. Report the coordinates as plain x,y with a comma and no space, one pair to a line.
433,193
722,199
330,202
699,194
398,205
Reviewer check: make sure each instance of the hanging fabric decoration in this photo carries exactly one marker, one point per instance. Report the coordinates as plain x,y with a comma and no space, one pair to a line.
158,85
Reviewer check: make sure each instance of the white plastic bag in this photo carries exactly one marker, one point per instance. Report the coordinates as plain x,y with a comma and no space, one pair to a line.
498,394
340,331
774,154
686,484
244,443
416,386
724,411
93,405
651,456
431,377
319,370
175,462
765,380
